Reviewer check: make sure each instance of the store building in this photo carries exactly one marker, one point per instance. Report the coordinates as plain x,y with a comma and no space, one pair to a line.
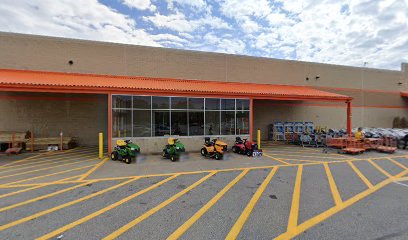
82,87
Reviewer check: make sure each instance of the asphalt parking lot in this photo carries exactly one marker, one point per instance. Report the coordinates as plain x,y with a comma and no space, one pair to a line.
290,192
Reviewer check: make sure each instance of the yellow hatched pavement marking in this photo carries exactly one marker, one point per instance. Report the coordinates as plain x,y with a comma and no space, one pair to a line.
307,161
294,210
93,169
152,211
103,210
361,175
47,168
332,211
183,228
48,175
332,184
236,229
397,163
45,212
276,159
379,168
31,188
42,197
45,161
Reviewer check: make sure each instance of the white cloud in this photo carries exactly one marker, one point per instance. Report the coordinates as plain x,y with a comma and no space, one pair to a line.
200,4
140,4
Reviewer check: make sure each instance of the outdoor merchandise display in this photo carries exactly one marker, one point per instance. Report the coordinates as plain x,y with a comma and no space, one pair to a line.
173,149
249,148
125,150
214,149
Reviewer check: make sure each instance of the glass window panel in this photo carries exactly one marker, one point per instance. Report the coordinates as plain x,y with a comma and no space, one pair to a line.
121,101
227,104
212,104
179,123
196,103
242,122
212,123
141,123
161,122
122,123
141,102
242,104
178,103
228,123
161,102
196,123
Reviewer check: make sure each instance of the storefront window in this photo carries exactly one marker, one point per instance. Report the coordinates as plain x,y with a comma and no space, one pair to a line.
179,123
212,104
141,102
212,123
228,123
160,102
122,123
242,122
120,101
142,123
161,122
147,116
196,123
178,103
196,103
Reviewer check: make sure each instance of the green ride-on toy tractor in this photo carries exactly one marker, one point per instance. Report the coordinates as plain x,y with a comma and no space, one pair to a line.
173,149
124,151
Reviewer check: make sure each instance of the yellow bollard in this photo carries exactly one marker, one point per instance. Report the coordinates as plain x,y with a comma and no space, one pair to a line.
100,145
259,138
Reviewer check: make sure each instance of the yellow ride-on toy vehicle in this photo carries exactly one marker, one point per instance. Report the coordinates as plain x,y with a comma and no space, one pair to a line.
214,149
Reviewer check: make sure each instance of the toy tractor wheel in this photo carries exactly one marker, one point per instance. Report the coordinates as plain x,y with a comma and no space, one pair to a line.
249,153
203,152
218,156
114,156
173,158
235,149
127,159
164,154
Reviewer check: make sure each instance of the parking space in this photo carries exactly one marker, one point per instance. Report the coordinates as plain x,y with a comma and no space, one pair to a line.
72,195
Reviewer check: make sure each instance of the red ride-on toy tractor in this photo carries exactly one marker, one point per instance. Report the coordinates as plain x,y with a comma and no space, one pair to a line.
249,148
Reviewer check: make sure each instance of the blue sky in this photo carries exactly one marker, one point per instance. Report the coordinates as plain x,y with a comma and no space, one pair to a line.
350,32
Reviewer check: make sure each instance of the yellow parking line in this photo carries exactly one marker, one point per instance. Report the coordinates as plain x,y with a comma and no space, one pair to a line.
152,211
51,174
236,229
332,184
48,158
103,210
397,163
361,175
183,228
93,169
56,164
379,168
325,215
294,210
25,159
42,169
29,189
42,197
42,213
276,159
308,161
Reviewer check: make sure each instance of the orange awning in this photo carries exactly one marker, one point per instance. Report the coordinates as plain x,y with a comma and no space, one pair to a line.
404,94
37,81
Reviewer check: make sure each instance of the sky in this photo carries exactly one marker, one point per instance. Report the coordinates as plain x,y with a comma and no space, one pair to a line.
351,32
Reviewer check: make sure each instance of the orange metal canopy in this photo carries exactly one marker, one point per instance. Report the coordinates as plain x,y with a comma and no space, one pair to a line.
38,81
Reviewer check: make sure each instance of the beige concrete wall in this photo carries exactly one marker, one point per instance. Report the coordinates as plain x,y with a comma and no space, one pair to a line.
80,116
192,144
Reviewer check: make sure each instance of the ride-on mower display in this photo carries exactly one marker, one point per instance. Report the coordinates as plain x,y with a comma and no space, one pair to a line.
125,150
249,148
214,149
173,149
